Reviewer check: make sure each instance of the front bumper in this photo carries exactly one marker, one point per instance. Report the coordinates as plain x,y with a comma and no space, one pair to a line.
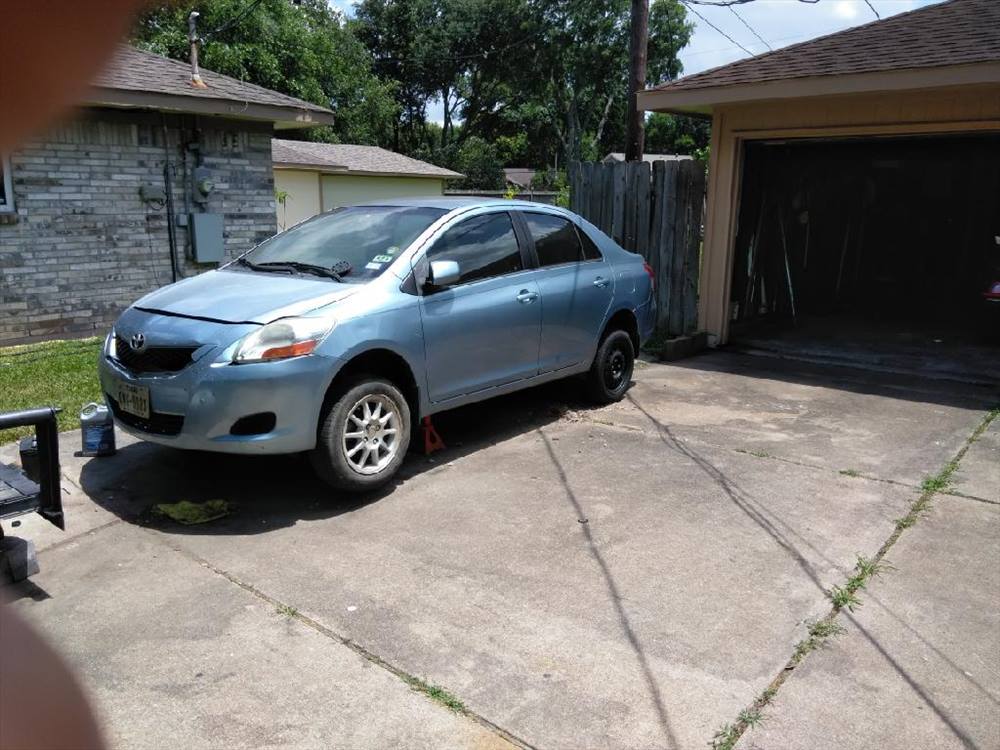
196,407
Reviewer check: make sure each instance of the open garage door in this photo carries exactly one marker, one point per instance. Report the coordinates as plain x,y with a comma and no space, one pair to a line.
880,251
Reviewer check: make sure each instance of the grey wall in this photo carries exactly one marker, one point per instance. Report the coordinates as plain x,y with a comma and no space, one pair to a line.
82,245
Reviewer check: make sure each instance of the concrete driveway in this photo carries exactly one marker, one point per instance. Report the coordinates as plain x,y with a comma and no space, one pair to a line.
629,577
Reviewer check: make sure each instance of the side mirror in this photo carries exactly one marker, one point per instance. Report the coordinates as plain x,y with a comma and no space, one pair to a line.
443,272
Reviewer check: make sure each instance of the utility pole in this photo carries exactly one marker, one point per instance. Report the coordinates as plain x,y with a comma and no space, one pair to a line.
635,136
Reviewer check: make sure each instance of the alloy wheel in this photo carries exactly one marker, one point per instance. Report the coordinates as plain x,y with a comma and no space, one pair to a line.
371,434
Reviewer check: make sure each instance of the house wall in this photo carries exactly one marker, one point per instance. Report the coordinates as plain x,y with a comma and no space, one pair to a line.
310,192
301,189
82,244
341,190
944,111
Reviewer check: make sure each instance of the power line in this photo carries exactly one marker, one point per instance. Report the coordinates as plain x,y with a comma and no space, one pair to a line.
691,8
869,4
233,21
752,30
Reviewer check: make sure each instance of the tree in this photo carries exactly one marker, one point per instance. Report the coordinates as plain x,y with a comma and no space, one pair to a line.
676,134
301,49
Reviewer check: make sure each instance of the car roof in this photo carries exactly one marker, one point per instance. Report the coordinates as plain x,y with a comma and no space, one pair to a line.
454,202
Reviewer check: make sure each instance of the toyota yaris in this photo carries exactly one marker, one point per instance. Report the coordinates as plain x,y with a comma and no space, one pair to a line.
337,336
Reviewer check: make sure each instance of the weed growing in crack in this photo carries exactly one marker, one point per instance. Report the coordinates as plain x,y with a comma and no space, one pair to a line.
435,693
846,596
751,717
287,611
850,472
726,737
818,633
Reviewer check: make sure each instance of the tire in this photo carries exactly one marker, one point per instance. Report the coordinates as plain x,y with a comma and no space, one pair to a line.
611,373
354,450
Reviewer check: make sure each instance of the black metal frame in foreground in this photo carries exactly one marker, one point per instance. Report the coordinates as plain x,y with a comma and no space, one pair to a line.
46,496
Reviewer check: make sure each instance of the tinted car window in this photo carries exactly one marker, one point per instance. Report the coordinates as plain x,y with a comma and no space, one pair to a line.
590,251
483,246
557,240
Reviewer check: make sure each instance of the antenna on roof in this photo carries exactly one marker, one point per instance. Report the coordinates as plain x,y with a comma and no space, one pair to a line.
194,40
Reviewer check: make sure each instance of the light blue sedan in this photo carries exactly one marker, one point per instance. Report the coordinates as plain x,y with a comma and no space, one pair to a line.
337,336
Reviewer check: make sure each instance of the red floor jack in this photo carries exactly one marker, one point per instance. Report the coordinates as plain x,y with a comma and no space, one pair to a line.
432,441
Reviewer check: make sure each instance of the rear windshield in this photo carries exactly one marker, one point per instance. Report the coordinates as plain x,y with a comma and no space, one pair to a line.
368,238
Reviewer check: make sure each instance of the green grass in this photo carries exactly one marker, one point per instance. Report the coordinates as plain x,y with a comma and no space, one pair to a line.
53,373
435,693
846,596
818,633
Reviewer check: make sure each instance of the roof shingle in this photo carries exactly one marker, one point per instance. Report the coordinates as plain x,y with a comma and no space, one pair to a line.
356,159
954,32
134,70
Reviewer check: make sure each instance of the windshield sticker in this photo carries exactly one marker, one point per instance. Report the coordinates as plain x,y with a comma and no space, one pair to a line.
395,250
373,266
381,259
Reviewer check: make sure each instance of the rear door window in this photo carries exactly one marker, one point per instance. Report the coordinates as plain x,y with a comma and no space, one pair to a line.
557,241
483,246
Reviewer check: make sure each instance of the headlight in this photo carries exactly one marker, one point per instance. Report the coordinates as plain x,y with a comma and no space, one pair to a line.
284,338
109,345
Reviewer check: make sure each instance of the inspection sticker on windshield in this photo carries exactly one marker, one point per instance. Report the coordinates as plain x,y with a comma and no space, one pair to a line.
374,266
381,259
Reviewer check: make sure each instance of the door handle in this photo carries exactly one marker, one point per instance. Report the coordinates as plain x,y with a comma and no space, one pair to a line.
526,297
600,282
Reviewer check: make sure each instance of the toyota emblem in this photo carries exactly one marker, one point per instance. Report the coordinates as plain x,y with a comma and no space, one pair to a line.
138,342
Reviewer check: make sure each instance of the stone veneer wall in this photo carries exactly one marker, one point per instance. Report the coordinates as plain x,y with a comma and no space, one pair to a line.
82,245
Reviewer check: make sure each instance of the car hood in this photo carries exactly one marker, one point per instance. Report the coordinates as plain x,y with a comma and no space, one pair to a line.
238,297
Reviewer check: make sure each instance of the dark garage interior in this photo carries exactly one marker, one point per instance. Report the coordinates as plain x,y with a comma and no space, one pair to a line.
874,251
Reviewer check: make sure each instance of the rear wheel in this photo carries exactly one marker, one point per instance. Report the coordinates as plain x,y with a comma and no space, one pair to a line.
611,373
363,435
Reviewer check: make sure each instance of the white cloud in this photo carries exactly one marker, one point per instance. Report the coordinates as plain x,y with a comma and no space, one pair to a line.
845,9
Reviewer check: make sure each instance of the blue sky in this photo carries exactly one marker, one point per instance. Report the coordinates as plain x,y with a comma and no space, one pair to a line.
778,22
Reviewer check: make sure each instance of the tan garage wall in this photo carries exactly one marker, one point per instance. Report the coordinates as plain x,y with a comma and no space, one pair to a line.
942,111
302,195
340,190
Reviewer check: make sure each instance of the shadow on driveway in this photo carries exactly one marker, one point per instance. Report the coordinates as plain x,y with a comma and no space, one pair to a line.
277,491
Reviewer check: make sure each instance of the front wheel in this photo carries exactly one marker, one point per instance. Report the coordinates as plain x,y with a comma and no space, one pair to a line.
363,436
611,373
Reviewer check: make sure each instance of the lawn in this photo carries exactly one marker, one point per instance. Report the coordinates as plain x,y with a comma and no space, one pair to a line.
53,373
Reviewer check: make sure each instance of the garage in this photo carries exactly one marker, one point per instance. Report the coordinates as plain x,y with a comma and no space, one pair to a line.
877,250
853,206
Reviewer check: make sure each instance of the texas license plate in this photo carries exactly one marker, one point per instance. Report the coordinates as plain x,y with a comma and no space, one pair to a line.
134,399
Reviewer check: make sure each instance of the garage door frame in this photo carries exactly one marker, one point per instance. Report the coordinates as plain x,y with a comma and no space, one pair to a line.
920,113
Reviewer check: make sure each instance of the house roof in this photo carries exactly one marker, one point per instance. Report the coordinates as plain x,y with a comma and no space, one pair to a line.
341,157
141,79
953,42
650,158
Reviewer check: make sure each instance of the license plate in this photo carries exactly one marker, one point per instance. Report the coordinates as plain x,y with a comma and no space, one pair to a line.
134,399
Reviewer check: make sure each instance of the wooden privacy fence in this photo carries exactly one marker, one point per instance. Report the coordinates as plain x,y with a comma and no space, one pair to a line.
654,212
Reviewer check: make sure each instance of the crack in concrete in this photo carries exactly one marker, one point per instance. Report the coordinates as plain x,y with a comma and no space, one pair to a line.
322,629
739,727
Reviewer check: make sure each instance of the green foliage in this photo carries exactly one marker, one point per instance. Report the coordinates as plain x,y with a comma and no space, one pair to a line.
846,596
474,157
53,373
544,80
676,134
302,49
435,693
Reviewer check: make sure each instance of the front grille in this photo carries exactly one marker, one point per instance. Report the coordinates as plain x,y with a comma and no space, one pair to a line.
157,424
153,359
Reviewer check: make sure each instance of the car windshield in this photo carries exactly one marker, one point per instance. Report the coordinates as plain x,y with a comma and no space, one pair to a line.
357,242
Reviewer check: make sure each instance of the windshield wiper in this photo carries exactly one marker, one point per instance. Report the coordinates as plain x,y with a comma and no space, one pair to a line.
291,265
